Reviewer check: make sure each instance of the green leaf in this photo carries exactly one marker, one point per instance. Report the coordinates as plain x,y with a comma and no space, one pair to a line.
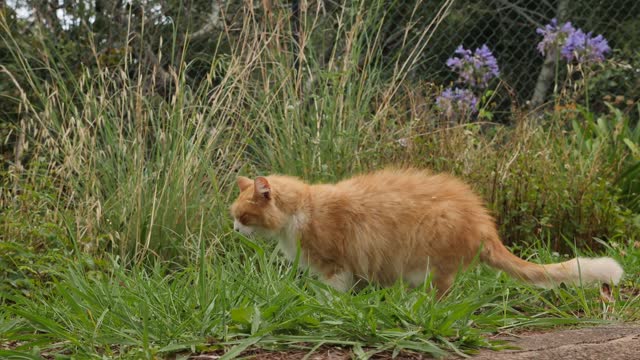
238,349
180,346
241,315
256,320
359,353
18,355
485,114
251,244
633,147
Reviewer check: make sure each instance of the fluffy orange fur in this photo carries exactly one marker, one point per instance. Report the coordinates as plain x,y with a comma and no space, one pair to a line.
390,225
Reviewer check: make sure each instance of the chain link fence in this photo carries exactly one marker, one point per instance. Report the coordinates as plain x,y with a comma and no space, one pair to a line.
508,27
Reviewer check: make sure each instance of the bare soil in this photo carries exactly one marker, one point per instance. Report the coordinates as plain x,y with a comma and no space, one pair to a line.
602,342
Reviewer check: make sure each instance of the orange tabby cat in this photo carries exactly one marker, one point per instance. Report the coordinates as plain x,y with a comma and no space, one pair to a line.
391,225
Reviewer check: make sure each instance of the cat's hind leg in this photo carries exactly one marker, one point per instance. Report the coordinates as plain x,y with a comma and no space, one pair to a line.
442,283
417,277
341,281
440,280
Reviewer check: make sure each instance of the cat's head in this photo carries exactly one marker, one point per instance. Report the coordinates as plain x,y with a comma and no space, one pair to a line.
259,207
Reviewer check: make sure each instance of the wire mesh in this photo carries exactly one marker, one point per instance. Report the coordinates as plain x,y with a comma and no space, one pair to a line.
508,27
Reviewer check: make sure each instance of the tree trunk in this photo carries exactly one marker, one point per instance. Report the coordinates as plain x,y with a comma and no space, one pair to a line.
545,78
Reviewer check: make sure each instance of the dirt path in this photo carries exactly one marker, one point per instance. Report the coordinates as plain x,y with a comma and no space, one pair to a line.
602,342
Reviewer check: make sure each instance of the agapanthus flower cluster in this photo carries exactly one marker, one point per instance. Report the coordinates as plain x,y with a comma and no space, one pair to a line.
457,101
553,36
476,68
574,44
584,48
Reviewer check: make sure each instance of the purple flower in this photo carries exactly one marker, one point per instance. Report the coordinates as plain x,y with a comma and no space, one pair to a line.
584,48
553,36
574,44
457,101
487,62
475,69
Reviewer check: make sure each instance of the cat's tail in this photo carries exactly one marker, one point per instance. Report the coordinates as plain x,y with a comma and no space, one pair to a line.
576,271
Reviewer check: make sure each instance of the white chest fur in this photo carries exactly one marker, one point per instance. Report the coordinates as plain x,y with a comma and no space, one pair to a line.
289,236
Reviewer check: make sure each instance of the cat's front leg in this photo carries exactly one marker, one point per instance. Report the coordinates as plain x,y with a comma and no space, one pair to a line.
341,281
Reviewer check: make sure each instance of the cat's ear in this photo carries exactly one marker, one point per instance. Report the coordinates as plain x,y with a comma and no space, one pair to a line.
244,182
262,187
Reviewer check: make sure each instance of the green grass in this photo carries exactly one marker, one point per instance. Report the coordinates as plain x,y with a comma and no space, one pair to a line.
248,297
115,238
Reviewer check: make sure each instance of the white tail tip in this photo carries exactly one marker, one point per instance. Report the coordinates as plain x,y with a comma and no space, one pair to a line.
594,270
